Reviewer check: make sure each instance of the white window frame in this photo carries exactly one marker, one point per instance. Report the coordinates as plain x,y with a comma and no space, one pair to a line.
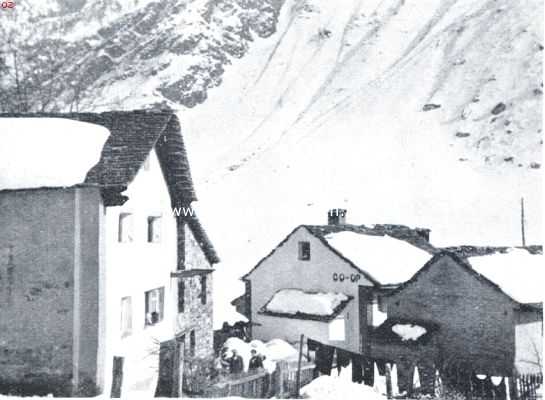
337,329
126,228
126,316
155,229
154,302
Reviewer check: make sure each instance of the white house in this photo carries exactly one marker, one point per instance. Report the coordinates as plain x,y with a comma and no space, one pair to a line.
97,275
325,281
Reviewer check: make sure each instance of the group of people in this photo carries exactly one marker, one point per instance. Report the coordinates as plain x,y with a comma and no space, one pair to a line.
236,364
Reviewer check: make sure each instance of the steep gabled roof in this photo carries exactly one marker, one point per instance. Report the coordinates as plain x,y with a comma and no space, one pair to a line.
466,251
517,272
133,134
202,239
414,236
400,232
462,263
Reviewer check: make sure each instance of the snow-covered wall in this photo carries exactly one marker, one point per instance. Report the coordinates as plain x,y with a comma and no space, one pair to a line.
283,270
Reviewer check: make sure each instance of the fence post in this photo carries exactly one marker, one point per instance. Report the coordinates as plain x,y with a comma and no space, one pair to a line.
298,376
388,381
277,382
117,379
178,369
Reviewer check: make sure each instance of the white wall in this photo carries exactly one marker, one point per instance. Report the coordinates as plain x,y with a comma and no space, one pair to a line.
283,270
133,268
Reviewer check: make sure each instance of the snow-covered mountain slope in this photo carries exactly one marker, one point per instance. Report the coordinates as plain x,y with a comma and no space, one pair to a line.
127,54
417,112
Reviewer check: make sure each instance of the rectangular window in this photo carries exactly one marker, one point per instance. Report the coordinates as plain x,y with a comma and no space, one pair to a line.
181,342
304,251
154,306
192,344
203,289
154,229
336,329
181,296
126,316
125,234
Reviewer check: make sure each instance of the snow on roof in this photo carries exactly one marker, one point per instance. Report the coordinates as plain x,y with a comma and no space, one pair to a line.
386,259
408,331
47,152
296,301
518,273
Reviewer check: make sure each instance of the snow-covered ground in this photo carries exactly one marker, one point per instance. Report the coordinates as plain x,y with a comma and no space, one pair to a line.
330,387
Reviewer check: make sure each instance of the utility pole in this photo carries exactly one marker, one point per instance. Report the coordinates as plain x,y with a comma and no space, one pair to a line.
522,222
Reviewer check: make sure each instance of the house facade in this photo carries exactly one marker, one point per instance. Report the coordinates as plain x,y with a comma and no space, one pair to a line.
96,276
469,318
312,262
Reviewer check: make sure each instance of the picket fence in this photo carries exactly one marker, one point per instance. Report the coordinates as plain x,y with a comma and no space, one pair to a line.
282,383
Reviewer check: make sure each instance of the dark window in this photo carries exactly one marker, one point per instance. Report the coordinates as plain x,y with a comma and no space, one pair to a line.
181,296
304,251
181,342
154,229
203,289
192,344
155,300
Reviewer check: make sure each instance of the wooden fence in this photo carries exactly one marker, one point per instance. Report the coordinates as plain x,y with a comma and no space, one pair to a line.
520,387
282,383
527,387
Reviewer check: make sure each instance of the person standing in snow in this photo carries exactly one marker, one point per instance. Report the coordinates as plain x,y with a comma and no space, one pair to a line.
235,363
256,361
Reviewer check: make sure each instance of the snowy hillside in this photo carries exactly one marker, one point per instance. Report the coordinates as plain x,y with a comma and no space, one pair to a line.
330,112
419,112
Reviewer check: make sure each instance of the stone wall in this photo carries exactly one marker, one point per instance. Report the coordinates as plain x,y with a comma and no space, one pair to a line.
476,321
196,317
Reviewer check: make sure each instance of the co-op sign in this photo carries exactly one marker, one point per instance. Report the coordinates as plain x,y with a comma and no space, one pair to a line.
340,277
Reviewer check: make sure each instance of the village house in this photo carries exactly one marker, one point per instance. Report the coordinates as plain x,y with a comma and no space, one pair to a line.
98,278
327,281
478,312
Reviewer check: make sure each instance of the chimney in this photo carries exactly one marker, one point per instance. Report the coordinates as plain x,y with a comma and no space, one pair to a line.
425,233
336,216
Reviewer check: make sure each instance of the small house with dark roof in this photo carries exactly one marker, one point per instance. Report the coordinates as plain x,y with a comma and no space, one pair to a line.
104,267
357,263
483,315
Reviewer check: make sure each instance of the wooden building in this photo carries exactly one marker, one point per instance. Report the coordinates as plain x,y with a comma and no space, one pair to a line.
481,313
